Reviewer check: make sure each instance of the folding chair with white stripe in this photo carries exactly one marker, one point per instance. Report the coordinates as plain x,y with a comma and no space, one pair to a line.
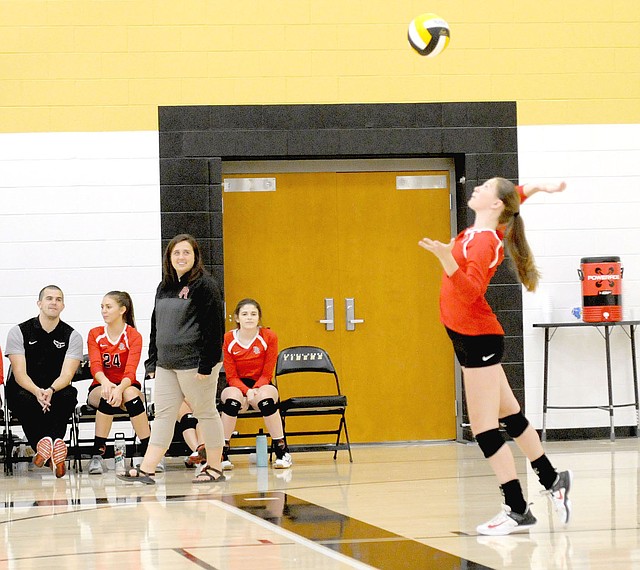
301,378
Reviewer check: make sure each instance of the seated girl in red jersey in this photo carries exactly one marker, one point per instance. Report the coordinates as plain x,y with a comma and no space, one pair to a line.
250,353
469,261
114,352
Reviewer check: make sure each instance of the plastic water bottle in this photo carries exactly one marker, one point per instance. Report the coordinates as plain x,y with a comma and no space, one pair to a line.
120,453
547,307
20,454
261,450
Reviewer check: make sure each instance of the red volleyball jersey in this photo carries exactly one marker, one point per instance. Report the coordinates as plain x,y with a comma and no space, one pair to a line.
256,360
117,359
463,307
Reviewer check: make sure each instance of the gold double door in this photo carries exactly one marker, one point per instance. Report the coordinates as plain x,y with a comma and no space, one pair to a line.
352,236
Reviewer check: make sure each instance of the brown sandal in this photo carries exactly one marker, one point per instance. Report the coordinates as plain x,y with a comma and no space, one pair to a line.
208,475
137,475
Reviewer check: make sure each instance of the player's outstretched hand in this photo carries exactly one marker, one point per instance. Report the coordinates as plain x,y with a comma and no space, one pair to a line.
531,188
436,247
553,187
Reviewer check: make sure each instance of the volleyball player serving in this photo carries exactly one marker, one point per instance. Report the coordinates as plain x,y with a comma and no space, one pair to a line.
469,261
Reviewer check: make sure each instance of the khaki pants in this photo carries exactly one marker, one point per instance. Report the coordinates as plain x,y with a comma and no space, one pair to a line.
174,386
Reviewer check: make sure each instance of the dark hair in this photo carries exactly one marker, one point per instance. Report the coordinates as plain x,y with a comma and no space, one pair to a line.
41,294
514,235
124,300
247,301
169,274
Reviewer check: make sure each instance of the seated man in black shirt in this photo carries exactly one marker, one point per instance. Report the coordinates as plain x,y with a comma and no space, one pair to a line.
44,353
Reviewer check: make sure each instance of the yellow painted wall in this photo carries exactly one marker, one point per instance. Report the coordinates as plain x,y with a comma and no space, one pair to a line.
101,65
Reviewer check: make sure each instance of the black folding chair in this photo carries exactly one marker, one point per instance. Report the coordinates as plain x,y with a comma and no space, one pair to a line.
9,441
316,399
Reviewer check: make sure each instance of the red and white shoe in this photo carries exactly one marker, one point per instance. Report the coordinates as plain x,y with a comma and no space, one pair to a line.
193,460
44,449
58,458
507,522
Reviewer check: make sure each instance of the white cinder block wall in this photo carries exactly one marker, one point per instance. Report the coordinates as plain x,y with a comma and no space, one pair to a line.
82,211
598,215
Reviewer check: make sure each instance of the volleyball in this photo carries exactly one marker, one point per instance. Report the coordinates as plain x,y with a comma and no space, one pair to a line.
428,34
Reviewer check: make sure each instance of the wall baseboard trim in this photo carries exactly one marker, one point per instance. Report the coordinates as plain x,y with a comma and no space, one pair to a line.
568,434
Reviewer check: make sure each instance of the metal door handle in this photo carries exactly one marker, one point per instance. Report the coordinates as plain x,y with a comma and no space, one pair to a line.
328,320
350,314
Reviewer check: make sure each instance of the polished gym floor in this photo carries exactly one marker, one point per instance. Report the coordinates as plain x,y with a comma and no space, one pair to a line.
404,506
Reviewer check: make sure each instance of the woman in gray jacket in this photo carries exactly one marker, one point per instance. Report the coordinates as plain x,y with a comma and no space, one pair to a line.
185,349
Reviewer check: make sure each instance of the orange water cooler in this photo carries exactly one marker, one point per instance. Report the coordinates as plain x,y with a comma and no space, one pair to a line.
601,289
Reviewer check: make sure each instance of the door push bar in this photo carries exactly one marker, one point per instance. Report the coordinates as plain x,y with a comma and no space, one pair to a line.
350,314
328,321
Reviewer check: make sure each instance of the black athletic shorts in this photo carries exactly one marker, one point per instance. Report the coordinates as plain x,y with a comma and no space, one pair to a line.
477,351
